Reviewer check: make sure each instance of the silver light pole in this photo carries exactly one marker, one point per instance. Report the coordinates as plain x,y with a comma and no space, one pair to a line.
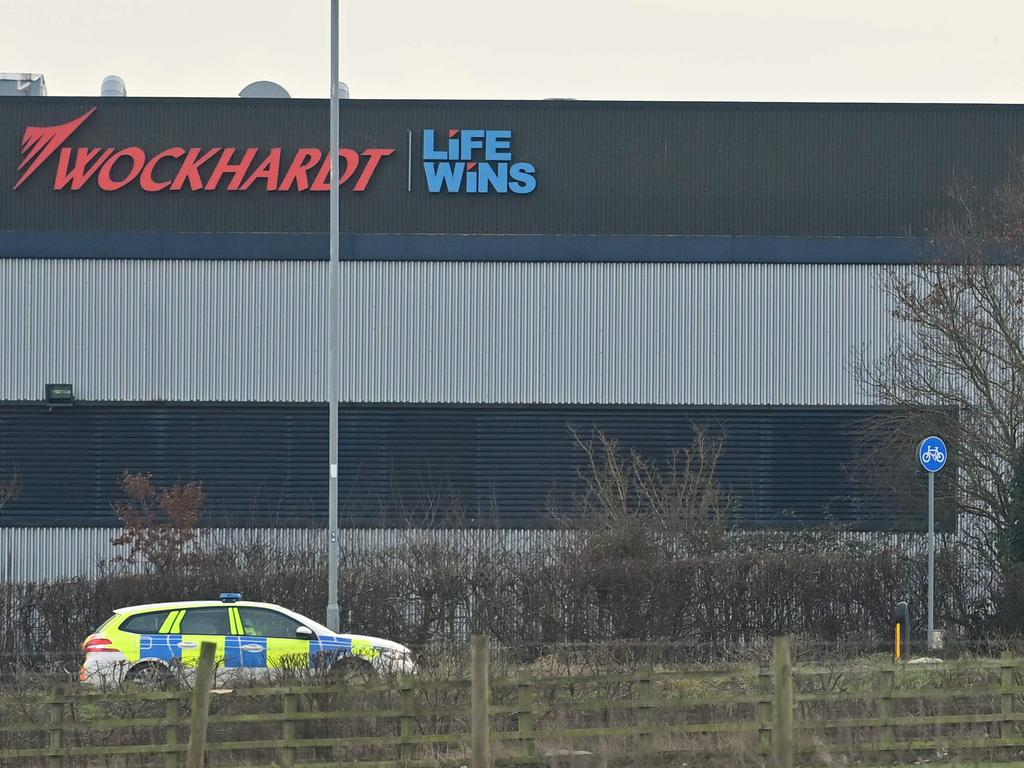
333,614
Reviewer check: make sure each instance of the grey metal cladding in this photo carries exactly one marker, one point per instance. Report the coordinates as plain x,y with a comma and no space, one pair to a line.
609,333
61,552
146,330
440,332
41,553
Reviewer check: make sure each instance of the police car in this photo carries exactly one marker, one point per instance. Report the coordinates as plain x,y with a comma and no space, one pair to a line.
153,643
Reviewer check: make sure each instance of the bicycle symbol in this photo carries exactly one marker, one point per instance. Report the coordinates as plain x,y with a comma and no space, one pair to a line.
933,455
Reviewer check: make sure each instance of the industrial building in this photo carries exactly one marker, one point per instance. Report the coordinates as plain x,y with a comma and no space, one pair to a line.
513,274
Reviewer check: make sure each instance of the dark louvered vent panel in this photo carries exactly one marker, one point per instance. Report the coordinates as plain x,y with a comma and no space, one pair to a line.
265,464
788,466
259,463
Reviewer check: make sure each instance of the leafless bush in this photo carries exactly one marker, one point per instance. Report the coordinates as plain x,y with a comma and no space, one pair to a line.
160,524
10,488
819,585
677,501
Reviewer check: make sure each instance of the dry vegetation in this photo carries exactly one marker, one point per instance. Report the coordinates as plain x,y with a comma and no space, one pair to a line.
649,558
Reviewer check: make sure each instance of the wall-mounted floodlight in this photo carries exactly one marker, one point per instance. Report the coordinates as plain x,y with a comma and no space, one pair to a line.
59,394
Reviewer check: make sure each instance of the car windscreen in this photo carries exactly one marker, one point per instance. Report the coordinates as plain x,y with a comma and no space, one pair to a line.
262,622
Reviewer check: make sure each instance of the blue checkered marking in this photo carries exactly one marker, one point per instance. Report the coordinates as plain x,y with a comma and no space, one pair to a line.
165,647
237,657
325,650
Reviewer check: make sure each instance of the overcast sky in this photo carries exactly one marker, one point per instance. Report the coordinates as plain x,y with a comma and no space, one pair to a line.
679,50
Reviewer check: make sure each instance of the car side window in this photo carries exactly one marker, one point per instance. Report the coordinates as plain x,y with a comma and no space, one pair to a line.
145,623
206,621
262,622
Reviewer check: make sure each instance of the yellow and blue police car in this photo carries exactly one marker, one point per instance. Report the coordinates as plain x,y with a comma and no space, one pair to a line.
153,643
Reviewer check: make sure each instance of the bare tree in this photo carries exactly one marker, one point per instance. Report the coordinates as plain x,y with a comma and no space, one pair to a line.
957,364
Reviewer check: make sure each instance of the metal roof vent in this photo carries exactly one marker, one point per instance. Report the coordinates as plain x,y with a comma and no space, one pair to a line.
113,86
22,84
342,90
264,89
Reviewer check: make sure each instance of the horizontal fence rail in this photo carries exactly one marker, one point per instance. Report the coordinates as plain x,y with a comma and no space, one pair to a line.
547,712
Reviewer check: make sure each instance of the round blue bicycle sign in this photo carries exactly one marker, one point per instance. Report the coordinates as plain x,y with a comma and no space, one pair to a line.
932,453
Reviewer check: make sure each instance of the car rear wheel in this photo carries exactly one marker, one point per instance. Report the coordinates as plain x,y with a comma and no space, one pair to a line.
150,674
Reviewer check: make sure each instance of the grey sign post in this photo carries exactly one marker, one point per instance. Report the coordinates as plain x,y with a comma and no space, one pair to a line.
933,454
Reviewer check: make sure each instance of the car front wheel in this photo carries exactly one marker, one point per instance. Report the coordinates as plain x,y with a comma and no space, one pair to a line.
352,671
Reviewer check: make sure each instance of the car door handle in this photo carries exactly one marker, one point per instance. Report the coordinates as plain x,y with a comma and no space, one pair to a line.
186,644
252,647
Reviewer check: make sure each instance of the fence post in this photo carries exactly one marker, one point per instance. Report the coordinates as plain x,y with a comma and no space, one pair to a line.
782,733
480,736
764,711
55,721
887,733
172,731
524,719
1007,673
288,707
407,720
645,698
201,706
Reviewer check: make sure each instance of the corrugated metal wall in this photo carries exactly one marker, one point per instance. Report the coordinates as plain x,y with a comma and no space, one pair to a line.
609,333
441,332
183,330
39,554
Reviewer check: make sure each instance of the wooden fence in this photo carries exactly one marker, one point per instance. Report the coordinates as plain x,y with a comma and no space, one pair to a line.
871,712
